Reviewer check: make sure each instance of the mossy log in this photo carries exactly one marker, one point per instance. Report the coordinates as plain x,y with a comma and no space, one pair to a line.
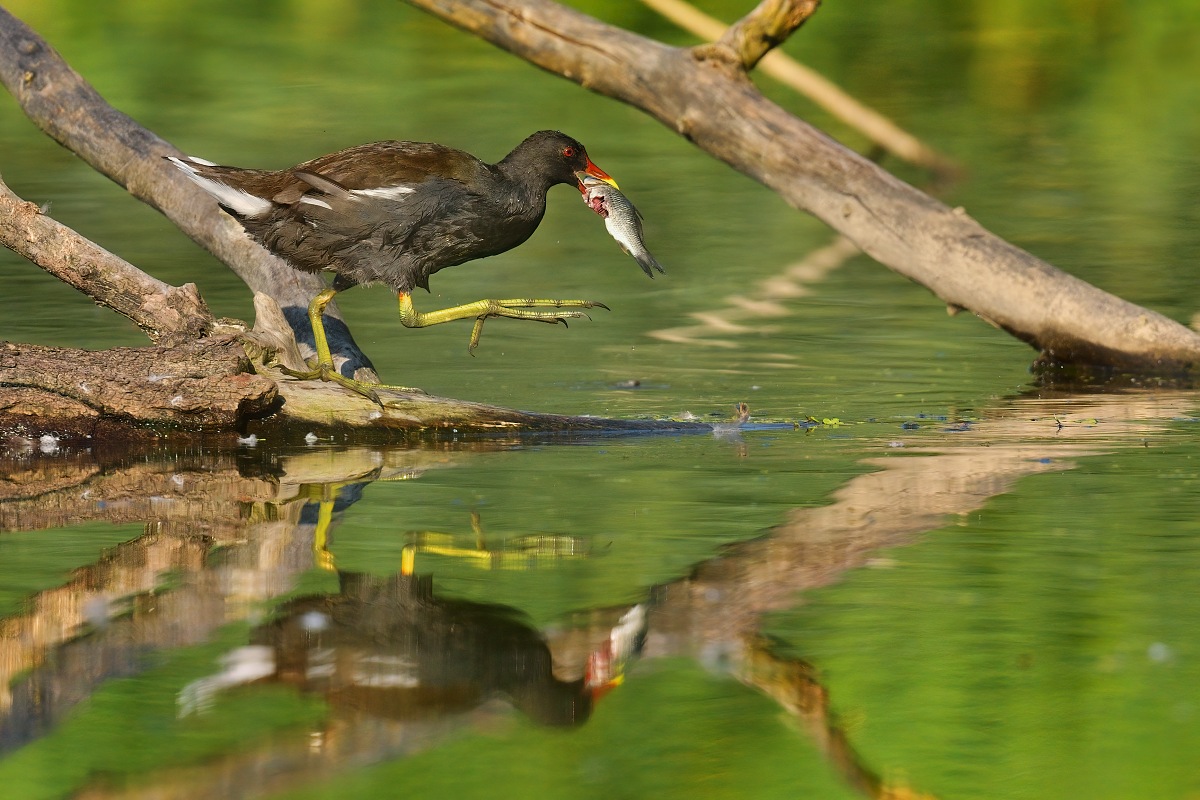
210,385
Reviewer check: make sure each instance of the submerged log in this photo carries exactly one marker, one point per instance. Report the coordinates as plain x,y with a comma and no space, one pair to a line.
71,395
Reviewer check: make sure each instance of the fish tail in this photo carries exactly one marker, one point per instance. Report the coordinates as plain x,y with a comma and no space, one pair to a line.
646,261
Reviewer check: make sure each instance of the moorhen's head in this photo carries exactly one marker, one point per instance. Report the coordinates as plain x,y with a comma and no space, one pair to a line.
555,157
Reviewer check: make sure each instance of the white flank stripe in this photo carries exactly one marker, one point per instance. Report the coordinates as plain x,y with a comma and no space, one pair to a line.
315,201
384,192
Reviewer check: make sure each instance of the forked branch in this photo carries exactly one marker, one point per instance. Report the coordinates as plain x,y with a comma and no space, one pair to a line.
766,27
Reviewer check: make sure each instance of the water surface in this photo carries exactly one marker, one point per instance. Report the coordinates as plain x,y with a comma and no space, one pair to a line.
954,583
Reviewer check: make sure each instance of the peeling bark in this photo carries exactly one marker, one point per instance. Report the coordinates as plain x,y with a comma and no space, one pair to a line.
204,384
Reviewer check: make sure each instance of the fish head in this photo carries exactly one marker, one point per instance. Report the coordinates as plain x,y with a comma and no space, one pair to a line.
595,192
592,178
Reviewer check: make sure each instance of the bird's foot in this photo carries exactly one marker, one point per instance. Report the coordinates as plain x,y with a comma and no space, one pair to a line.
521,309
327,372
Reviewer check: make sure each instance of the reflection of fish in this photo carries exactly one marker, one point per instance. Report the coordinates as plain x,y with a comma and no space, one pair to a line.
623,221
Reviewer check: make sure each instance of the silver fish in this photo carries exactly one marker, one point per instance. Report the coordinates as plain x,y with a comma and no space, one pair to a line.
622,219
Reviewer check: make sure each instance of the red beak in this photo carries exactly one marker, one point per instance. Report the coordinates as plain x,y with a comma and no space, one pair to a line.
596,172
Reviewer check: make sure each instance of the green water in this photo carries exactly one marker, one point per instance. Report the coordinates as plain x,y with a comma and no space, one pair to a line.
1018,619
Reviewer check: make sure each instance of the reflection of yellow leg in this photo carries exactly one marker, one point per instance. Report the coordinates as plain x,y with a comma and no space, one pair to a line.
477,527
521,552
480,310
323,369
322,556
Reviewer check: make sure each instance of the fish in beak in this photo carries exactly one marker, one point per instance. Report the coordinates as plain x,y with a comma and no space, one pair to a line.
621,218
593,171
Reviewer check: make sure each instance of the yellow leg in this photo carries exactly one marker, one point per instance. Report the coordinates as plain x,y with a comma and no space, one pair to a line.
323,369
316,313
480,310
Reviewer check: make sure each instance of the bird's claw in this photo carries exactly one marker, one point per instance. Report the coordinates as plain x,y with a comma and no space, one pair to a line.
327,372
520,309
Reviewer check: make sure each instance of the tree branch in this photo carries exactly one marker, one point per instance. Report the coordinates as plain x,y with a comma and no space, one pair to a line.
766,27
820,90
943,249
169,315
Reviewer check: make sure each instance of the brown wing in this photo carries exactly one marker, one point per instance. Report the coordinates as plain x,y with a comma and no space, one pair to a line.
366,166
381,164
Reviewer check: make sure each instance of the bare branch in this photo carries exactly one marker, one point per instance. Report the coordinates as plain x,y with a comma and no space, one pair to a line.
944,249
169,315
819,89
766,27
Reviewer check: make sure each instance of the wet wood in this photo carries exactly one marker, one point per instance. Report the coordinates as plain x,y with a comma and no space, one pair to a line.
705,95
73,395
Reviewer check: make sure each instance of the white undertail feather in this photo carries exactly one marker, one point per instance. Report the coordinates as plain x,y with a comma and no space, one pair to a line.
243,203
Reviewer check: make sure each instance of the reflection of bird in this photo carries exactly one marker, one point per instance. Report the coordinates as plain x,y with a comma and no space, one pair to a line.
388,647
397,212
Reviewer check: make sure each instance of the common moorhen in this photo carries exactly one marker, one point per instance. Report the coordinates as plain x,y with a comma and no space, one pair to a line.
397,212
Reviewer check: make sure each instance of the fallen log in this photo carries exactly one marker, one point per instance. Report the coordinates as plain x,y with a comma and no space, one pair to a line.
53,397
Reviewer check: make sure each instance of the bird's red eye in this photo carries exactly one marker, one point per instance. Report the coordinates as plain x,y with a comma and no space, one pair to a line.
569,152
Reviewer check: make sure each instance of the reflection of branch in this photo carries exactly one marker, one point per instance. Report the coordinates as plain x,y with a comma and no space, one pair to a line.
716,612
742,312
116,593
907,496
794,685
